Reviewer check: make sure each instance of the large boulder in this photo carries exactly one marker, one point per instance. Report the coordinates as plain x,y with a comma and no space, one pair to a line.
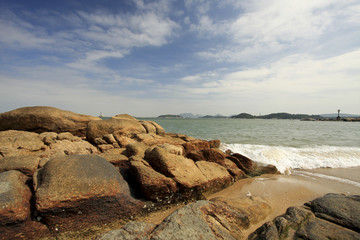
81,190
154,185
332,216
181,169
45,119
339,209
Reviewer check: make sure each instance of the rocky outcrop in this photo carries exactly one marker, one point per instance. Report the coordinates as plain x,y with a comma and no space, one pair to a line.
197,220
82,190
45,119
72,183
333,216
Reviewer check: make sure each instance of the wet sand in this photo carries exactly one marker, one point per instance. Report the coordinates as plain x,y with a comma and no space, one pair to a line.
283,191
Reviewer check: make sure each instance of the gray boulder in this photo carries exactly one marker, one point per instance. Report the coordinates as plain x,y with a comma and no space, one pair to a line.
202,220
333,216
131,230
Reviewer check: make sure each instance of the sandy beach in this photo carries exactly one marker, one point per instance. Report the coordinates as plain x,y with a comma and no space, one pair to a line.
283,191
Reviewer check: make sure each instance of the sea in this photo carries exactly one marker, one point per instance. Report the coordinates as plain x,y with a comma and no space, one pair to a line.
290,145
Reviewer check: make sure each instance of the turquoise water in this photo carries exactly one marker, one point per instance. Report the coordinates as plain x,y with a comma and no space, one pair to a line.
288,144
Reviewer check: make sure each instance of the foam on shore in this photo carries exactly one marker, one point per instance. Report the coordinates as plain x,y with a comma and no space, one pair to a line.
287,158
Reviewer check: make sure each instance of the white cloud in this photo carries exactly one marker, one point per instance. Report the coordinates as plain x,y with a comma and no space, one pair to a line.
264,28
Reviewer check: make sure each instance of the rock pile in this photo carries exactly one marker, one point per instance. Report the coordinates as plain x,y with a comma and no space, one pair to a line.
61,170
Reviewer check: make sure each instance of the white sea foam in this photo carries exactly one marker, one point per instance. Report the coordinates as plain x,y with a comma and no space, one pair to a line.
287,158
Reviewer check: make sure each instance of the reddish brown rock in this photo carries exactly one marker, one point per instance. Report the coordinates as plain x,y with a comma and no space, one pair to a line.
195,156
244,163
14,197
25,164
82,190
214,143
155,186
45,119
217,176
181,169
236,172
116,159
214,155
196,145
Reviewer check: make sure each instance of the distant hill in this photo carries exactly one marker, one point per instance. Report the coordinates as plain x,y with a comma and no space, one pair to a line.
170,116
214,116
244,115
277,116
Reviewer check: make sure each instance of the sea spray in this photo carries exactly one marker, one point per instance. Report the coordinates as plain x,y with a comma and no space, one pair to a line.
287,158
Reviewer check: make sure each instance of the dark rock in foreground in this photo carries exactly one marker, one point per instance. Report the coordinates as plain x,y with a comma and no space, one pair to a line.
333,216
198,220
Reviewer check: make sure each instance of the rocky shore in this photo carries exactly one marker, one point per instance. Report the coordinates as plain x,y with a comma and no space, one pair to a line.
62,172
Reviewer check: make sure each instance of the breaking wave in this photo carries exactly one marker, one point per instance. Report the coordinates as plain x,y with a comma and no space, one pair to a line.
287,158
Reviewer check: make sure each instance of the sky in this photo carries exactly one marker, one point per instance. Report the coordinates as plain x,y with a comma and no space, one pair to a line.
148,58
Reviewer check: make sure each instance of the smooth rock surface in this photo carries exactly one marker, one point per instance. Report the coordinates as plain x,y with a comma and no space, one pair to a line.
45,119
80,190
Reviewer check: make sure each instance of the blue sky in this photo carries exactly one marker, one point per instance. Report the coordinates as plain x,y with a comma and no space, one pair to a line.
147,58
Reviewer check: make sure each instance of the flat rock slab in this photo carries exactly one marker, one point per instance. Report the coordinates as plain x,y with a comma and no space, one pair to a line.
79,190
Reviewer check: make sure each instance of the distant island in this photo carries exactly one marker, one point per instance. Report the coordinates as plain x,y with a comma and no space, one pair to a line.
278,116
282,115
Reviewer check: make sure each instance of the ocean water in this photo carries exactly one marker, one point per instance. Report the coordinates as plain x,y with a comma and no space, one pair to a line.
288,144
